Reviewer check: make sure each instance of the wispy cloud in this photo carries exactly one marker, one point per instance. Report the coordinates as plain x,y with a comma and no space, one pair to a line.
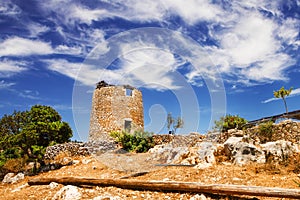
5,85
17,46
9,67
29,94
8,8
295,92
249,40
61,107
149,68
37,29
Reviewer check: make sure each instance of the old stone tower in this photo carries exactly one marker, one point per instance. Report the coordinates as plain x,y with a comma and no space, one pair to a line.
115,108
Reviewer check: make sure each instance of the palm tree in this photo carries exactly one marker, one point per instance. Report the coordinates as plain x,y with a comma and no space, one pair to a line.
282,93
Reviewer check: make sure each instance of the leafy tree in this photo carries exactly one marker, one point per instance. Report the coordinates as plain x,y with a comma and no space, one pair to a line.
174,123
229,122
282,93
31,131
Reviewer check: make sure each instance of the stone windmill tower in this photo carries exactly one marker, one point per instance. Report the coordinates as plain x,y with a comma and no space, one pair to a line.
115,108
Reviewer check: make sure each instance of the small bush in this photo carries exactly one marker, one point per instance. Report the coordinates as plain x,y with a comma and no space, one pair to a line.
14,165
139,141
230,122
265,131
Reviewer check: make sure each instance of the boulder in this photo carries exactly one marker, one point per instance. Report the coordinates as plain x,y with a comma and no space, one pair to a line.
201,154
206,152
12,178
279,150
244,153
167,154
241,153
230,143
68,192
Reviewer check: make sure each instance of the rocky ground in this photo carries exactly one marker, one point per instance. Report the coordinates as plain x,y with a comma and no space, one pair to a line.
236,157
120,165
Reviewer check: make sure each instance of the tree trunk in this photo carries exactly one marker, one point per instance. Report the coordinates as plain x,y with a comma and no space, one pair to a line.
172,186
285,105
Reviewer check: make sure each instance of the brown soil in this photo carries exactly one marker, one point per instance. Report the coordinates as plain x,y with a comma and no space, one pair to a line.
119,165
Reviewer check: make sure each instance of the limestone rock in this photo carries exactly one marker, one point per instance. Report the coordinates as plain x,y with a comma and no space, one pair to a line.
230,143
244,153
213,136
167,154
12,178
202,154
206,152
68,192
279,150
235,133
53,185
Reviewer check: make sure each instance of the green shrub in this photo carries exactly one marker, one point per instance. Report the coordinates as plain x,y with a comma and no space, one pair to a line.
230,122
28,133
265,131
139,141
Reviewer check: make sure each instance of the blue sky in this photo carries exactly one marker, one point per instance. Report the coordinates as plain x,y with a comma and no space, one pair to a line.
196,59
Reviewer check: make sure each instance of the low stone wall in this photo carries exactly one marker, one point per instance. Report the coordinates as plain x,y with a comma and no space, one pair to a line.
285,130
178,140
71,148
79,149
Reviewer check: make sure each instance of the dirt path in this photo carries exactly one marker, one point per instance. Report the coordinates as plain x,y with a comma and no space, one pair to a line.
128,162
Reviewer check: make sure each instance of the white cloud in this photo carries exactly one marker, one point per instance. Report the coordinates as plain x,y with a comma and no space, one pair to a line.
250,40
72,50
85,15
270,69
288,32
9,68
153,69
28,94
17,46
295,92
61,107
72,13
249,43
194,10
84,73
4,85
36,29
8,8
64,67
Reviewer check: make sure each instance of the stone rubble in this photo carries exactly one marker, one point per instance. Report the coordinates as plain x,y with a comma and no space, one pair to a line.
12,178
68,192
71,148
279,150
244,153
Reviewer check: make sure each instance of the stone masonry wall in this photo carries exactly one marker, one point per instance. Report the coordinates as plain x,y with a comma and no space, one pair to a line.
287,130
111,107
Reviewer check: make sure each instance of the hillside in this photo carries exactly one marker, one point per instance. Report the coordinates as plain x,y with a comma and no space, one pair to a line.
238,157
221,173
